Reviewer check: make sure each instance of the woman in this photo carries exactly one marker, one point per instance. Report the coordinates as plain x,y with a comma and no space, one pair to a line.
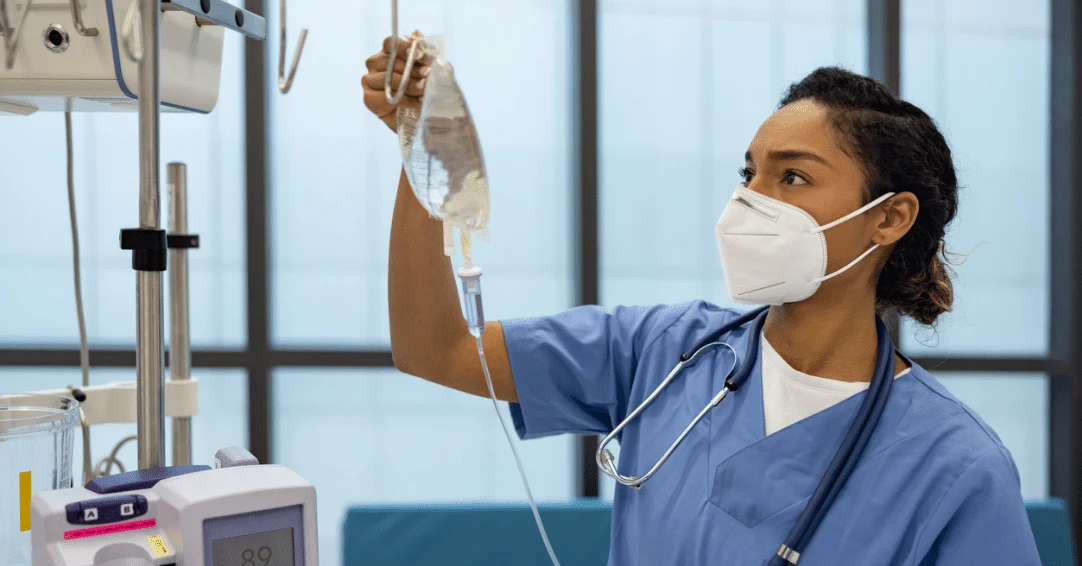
840,214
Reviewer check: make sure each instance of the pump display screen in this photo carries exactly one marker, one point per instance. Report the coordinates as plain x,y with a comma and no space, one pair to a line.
269,548
271,537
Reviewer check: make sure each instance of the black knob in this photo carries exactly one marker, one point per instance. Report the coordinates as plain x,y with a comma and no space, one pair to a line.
78,395
240,18
205,5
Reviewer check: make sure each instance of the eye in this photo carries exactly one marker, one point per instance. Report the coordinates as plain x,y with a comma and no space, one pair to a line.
745,174
793,178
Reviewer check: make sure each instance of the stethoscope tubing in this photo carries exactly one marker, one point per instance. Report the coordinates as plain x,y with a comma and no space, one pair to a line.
841,466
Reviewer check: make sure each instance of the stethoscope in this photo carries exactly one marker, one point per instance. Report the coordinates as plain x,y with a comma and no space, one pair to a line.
840,468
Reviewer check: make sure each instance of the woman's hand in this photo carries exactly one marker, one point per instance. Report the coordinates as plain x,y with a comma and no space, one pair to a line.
374,96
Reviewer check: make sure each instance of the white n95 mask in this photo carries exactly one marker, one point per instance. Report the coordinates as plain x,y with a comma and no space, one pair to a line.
773,252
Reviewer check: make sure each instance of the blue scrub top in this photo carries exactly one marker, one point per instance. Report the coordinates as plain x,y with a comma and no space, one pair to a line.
935,485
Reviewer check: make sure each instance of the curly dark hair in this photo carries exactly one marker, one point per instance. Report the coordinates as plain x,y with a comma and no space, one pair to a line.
900,149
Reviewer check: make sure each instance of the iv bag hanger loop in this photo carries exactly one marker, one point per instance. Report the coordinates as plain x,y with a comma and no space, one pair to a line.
396,97
11,32
285,82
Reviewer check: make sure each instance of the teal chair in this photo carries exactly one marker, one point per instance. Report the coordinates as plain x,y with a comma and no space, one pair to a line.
1051,525
476,535
482,535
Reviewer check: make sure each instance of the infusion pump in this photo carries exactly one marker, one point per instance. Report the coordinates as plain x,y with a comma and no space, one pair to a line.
238,514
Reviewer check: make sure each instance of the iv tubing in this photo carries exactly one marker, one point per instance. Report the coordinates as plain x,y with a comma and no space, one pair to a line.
518,460
84,348
471,290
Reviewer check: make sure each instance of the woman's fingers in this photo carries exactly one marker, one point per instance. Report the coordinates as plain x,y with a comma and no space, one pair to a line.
377,99
376,81
403,50
378,62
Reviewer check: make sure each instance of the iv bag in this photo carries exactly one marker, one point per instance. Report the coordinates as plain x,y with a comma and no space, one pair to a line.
441,152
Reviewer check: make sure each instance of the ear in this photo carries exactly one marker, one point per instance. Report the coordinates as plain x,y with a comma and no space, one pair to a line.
898,215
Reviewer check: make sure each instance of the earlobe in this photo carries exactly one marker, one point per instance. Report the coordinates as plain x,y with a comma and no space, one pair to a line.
900,214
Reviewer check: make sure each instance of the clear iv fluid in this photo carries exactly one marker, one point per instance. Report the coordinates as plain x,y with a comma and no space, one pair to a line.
441,150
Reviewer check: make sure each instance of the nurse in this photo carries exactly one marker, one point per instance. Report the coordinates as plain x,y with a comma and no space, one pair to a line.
839,214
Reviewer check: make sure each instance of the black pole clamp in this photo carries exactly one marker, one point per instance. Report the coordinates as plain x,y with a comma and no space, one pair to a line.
182,241
148,247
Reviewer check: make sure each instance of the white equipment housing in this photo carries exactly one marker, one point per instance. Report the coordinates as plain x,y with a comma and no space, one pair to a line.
54,63
193,516
115,402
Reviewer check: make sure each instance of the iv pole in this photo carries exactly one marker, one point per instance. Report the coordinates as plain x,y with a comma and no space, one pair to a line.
180,353
152,247
149,360
149,246
149,243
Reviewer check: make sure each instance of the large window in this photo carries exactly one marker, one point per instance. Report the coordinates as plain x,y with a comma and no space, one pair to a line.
335,168
37,301
981,70
334,173
683,89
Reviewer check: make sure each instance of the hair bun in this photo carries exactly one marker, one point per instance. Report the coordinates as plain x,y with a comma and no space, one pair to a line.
929,292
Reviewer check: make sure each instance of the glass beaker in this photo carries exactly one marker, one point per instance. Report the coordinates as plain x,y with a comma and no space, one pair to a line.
37,435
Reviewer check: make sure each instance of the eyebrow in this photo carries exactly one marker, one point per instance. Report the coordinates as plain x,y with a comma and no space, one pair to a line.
789,155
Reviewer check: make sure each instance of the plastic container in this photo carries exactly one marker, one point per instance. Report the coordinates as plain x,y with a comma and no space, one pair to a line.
441,152
37,435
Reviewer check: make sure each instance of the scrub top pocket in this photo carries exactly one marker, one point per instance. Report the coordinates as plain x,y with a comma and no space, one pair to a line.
773,473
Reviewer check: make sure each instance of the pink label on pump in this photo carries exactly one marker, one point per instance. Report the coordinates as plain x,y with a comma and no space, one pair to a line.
110,529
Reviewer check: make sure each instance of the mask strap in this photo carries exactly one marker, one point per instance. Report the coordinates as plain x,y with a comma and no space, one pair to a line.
851,264
855,213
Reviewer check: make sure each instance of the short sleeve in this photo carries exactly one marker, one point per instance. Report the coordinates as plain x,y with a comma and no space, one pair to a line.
982,518
573,372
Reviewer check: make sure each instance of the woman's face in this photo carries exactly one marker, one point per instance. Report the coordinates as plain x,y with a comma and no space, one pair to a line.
796,158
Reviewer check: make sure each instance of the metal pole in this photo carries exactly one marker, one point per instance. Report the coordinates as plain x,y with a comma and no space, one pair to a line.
884,43
1065,308
149,361
258,356
180,352
588,288
884,29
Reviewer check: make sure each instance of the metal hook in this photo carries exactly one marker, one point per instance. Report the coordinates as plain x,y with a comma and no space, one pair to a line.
396,97
11,33
77,18
286,82
129,34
